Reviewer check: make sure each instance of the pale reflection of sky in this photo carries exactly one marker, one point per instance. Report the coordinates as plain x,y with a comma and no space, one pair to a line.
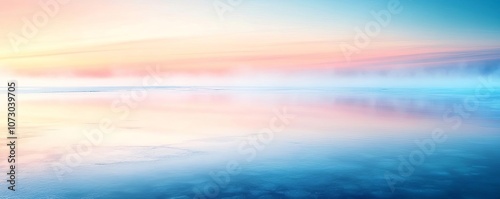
172,139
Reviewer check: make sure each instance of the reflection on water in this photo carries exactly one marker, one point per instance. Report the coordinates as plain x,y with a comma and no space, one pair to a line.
340,144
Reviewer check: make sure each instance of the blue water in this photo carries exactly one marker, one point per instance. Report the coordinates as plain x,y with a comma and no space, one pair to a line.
342,143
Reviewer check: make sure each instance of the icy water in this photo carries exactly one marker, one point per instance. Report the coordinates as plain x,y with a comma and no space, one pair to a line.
176,142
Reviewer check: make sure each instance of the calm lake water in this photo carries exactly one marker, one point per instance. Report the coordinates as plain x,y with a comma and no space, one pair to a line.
278,143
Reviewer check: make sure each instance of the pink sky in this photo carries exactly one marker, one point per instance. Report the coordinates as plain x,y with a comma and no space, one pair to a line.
103,39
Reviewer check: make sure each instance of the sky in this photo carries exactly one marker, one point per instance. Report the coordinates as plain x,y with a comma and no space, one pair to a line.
250,43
